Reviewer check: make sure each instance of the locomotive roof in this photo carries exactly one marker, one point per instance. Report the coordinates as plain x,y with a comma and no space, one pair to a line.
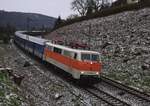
70,49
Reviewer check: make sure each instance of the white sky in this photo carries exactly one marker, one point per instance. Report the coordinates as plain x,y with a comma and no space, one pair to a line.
52,8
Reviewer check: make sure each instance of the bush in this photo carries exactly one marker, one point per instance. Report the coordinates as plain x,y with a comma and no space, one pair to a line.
5,38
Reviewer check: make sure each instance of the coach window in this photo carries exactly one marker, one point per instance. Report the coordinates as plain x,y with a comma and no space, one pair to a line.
57,50
46,46
50,48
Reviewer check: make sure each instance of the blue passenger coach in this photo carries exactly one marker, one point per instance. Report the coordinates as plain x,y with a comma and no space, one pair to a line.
32,44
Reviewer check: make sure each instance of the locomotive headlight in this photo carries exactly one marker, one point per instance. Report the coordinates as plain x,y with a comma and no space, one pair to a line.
91,63
82,72
97,73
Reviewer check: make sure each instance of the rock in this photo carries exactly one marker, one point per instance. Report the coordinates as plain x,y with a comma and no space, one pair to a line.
121,93
105,45
125,60
26,64
145,67
58,96
18,79
7,70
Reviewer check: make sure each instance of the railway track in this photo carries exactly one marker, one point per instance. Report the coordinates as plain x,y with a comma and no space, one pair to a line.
105,97
141,97
133,91
132,97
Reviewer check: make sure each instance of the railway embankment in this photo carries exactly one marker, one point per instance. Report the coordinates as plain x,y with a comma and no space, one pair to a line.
9,91
123,40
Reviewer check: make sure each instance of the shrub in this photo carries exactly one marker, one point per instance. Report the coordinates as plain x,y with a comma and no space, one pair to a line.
5,38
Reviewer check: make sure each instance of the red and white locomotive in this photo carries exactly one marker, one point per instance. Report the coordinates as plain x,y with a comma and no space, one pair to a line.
74,61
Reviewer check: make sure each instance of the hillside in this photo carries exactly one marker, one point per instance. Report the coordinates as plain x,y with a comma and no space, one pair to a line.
123,40
23,20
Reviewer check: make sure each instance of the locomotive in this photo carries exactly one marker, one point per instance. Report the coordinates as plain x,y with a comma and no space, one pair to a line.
74,61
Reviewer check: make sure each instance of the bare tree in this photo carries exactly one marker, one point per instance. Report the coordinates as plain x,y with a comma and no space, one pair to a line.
80,6
85,7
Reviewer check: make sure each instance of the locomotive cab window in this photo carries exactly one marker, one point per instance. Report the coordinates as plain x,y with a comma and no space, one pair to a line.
57,50
85,57
95,57
90,57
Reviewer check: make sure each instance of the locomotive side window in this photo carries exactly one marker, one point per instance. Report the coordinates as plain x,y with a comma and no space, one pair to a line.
67,53
57,50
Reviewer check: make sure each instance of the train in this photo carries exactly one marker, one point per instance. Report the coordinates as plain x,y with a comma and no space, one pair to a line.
76,62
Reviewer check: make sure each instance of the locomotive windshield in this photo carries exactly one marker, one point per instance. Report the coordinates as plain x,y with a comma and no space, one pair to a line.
90,57
95,57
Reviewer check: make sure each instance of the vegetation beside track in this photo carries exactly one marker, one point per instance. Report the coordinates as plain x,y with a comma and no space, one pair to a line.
8,91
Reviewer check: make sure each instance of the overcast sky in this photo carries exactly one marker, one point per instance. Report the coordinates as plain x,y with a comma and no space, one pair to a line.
52,8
